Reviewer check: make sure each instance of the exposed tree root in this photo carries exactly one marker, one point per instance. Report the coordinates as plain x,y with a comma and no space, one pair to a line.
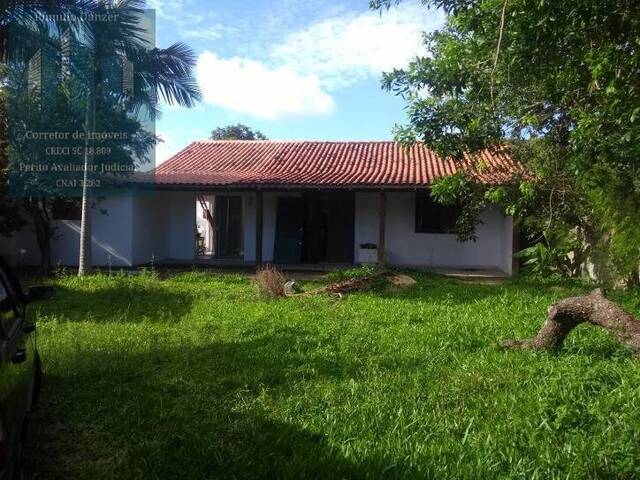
595,309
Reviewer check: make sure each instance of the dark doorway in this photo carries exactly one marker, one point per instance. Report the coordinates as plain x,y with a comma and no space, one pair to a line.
289,230
328,233
315,228
228,213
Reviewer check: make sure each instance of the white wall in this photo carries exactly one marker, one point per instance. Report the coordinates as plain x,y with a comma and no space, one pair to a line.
150,223
138,229
110,217
126,231
405,247
179,209
112,223
162,226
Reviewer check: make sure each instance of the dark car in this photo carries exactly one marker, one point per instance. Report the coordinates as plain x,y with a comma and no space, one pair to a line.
20,370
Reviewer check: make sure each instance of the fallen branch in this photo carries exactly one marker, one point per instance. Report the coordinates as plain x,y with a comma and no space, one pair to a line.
595,309
273,283
344,286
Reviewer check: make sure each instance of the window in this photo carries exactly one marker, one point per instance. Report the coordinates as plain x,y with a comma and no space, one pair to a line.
432,217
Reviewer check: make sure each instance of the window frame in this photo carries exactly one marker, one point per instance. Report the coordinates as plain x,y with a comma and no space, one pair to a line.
445,216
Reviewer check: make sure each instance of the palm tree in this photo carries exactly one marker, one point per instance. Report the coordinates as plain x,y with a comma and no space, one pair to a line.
167,73
23,22
27,25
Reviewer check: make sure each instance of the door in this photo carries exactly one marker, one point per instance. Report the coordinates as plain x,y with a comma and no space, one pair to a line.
314,243
228,213
290,217
340,227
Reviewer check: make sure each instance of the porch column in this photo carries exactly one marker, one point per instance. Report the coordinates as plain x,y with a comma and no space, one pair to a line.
382,227
259,227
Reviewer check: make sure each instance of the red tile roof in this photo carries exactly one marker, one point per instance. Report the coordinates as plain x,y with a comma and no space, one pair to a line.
321,164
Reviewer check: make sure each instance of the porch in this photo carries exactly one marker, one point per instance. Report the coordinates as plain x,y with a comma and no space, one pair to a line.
313,229
299,229
324,229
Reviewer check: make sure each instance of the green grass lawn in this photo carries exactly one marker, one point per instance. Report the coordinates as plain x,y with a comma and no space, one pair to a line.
198,376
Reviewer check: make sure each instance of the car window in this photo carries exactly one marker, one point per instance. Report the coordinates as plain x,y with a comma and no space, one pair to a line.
8,314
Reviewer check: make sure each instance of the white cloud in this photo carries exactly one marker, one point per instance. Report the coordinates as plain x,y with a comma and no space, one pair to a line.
214,32
166,9
297,73
251,87
177,12
347,48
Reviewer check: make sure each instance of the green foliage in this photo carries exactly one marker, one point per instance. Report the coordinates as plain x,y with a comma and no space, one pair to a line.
356,272
237,132
550,257
10,218
460,189
558,84
90,98
198,376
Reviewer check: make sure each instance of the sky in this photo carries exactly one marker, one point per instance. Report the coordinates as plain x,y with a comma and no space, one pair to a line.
293,69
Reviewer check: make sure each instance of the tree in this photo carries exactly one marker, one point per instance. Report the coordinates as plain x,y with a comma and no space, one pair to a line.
593,309
167,72
22,22
39,189
237,132
556,82
95,96
10,218
26,27
21,25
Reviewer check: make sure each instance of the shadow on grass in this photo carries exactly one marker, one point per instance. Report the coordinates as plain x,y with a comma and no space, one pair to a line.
209,411
125,302
432,287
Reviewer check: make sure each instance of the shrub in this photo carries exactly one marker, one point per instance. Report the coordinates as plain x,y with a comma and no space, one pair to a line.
271,281
353,273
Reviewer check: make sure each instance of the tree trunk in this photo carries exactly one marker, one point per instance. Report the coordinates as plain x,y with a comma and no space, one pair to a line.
570,312
85,256
84,260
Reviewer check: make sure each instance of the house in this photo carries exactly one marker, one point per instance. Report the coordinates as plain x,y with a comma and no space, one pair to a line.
292,203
